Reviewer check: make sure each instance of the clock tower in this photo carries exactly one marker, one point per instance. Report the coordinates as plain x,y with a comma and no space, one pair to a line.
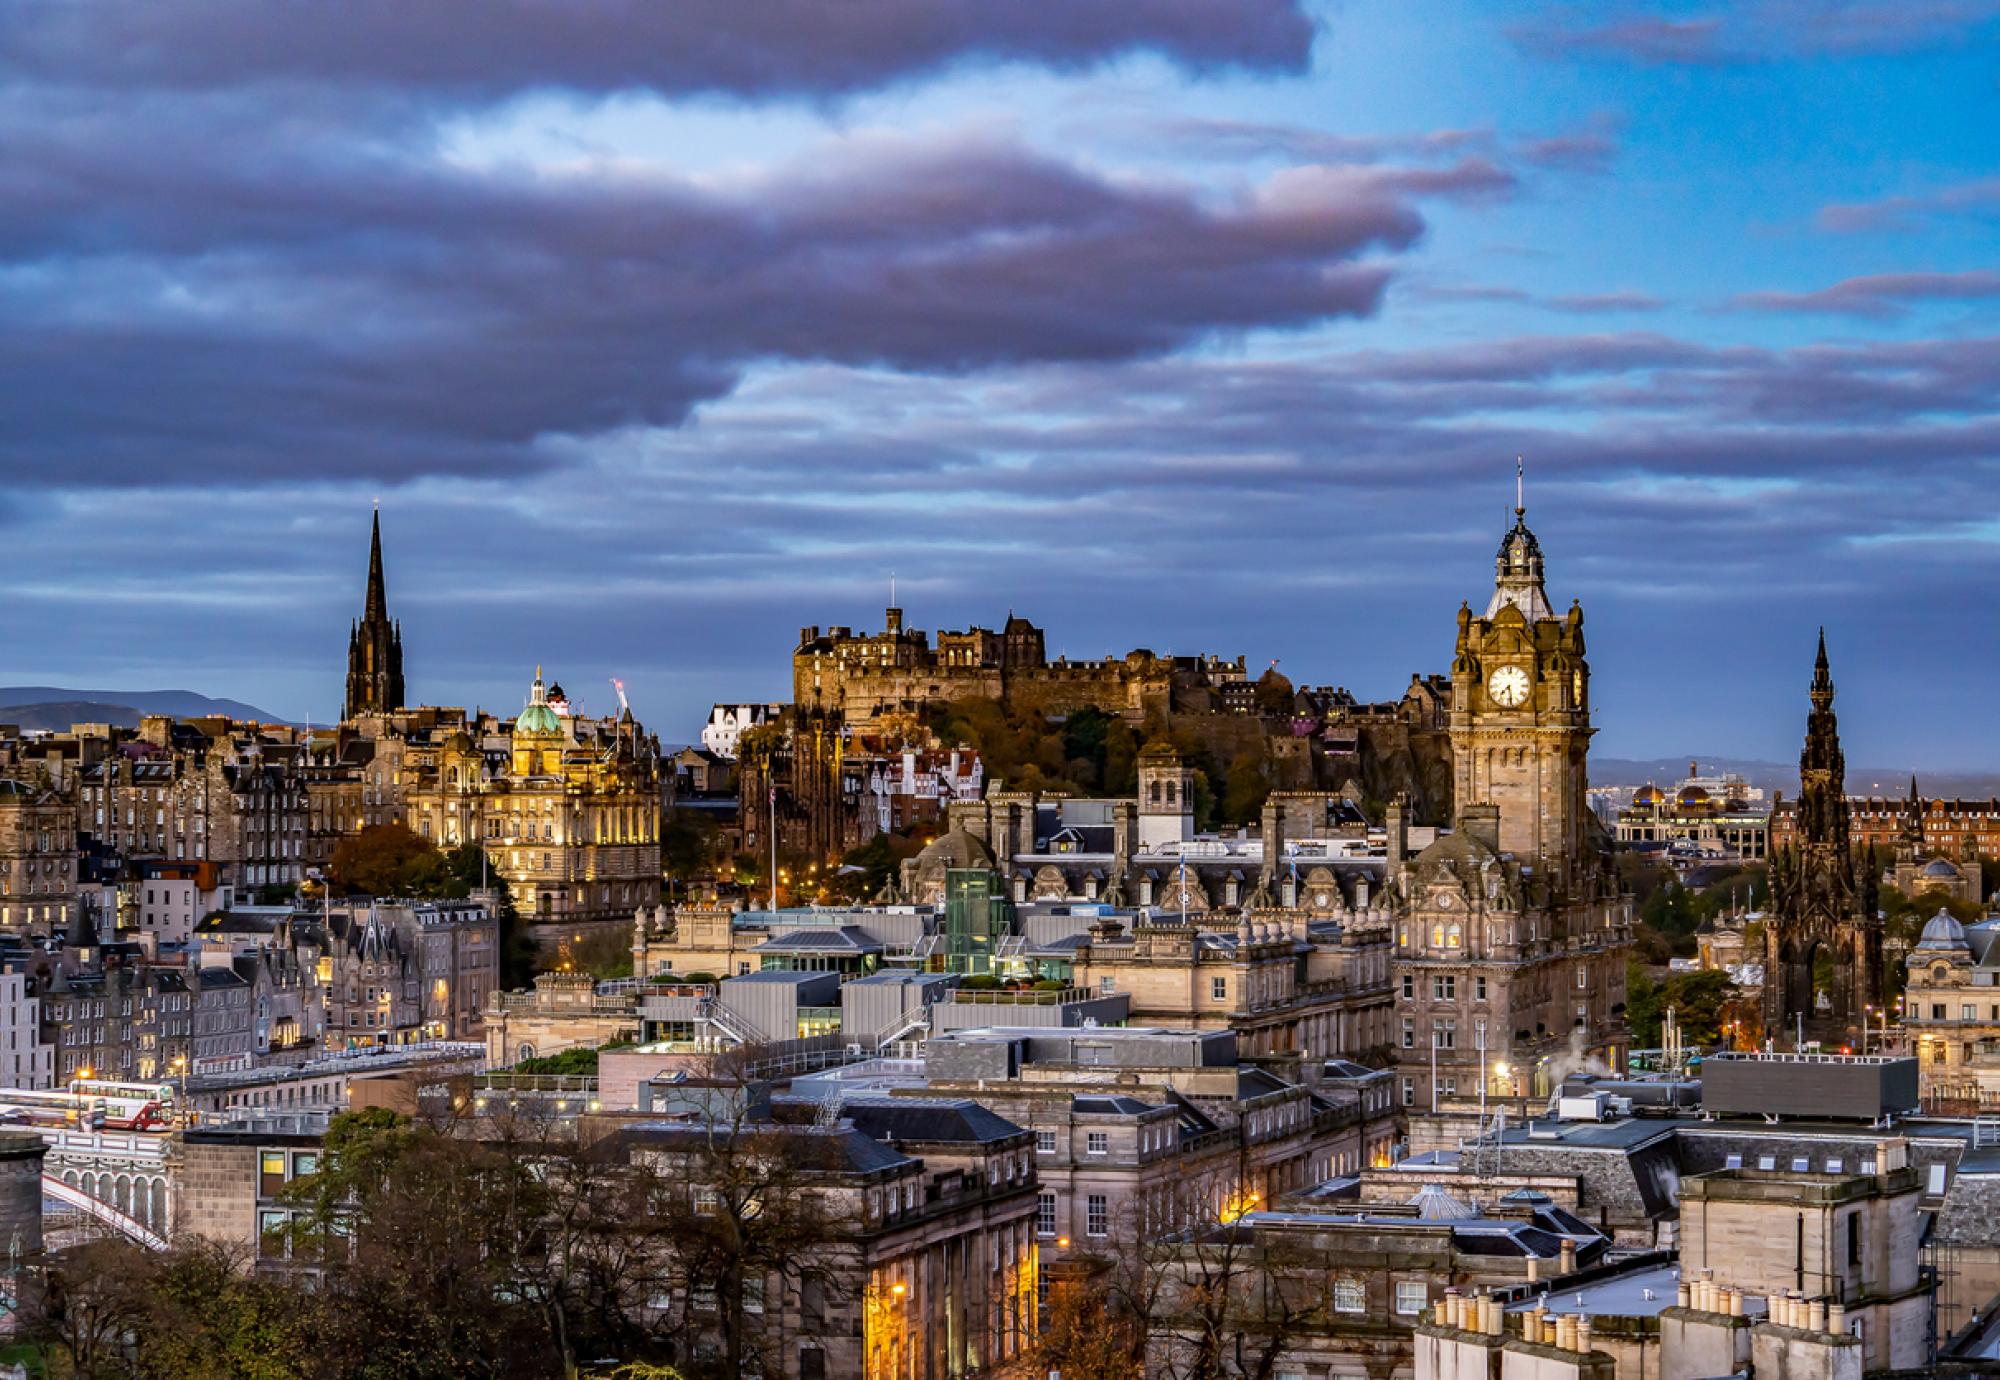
1520,711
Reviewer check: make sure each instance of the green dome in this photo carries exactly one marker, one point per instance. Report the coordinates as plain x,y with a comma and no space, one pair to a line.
538,720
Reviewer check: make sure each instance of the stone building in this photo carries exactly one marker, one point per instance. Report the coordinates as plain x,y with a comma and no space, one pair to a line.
897,670
929,1209
1139,1131
1951,1013
38,856
568,808
227,1179
209,791
1918,869
1708,817
1511,932
562,1011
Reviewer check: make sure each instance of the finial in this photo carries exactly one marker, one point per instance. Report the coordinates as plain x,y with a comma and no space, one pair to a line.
1520,497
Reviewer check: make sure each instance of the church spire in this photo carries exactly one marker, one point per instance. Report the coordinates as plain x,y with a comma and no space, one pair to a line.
375,644
376,605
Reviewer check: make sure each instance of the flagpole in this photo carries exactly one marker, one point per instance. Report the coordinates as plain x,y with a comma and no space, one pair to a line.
774,849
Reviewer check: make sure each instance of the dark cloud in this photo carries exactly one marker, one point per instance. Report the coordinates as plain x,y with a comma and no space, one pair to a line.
1880,295
768,48
218,307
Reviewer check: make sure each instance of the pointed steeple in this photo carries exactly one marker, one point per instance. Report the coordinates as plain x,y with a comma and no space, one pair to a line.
376,607
374,644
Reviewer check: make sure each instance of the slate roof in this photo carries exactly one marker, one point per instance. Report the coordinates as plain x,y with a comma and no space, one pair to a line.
847,939
842,1149
1109,1106
933,1119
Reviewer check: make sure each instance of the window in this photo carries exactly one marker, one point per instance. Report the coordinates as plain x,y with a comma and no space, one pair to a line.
706,1202
1045,1142
1836,1165
271,1178
1349,1296
1767,1161
1854,1240
1445,1035
1218,988
1801,1164
1097,1215
1409,987
1965,1012
1582,976
1411,1296
1479,988
1409,1033
1444,989
1107,985
1733,1162
1045,1214
1097,1143
271,1243
1409,1092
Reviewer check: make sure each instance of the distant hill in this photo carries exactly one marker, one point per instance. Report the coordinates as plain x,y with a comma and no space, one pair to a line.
56,707
1784,776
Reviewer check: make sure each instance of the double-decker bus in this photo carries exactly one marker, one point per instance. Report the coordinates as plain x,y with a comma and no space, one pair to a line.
129,1106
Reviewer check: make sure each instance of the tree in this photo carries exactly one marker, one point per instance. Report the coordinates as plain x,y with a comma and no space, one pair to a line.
1245,787
1698,1001
1086,1340
383,860
1275,695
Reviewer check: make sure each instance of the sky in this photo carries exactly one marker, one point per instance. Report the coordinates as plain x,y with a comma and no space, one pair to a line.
661,331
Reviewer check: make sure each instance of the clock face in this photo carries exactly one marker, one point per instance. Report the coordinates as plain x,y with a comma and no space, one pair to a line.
1508,686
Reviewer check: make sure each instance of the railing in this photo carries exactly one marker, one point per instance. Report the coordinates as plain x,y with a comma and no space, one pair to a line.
135,1145
531,1002
916,1018
536,1082
733,1026
973,996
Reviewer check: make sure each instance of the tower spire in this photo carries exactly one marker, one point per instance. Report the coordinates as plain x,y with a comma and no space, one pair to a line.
1520,488
375,643
376,605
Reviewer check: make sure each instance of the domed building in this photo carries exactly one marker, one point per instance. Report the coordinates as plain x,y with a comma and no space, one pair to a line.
1951,1008
568,807
1705,817
1919,870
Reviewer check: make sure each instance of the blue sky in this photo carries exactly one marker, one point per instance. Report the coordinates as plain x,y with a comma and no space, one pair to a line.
660,332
